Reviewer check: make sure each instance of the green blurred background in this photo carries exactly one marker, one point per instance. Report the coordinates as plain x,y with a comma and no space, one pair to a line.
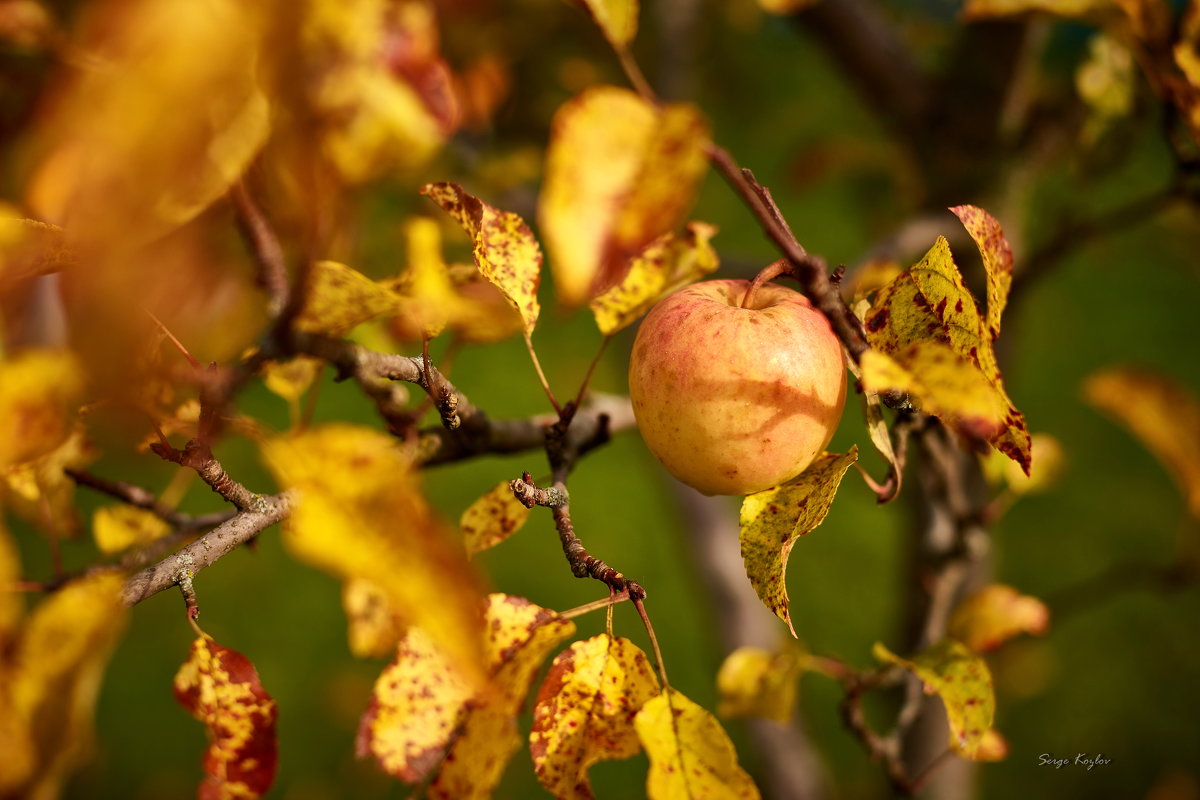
1118,677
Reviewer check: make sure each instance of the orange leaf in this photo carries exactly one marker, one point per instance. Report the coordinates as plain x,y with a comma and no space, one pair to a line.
505,250
690,754
995,614
492,518
964,683
643,168
360,514
1163,415
220,687
585,710
773,520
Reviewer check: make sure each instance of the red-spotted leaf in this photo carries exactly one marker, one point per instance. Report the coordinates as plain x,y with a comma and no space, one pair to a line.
424,716
773,520
997,259
666,264
220,687
921,319
637,182
505,250
373,626
995,614
585,710
1163,415
617,18
492,518
690,754
757,683
962,679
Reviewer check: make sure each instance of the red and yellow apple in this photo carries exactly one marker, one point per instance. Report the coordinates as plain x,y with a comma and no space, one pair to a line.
736,400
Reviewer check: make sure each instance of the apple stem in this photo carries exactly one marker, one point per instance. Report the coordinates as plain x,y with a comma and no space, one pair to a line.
770,272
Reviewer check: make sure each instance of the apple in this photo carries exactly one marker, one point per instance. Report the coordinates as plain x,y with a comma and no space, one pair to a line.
736,400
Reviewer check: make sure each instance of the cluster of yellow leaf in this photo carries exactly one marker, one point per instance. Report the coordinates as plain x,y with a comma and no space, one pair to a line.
220,687
771,521
930,341
599,701
360,514
51,663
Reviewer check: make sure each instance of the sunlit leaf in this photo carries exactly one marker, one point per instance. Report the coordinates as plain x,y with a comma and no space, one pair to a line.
992,747
220,687
638,180
338,298
877,428
690,754
373,626
997,259
505,250
1049,463
492,518
585,711
1147,20
1163,415
37,390
118,527
434,301
995,614
757,683
617,18
122,133
668,263
360,514
424,716
919,317
29,247
773,520
785,8
41,492
292,378
962,679
57,667
379,87
1107,81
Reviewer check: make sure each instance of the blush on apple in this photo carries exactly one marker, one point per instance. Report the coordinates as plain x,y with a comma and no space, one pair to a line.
736,400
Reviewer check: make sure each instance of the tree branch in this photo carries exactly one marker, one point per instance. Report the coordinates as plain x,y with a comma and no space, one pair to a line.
206,550
264,247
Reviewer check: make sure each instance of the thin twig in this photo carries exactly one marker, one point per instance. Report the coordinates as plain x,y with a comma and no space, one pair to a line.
264,247
640,604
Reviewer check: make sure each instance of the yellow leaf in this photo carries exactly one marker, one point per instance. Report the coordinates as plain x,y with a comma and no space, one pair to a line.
292,378
929,306
221,688
964,683
618,19
56,671
492,518
690,754
637,183
29,247
773,520
786,8
585,710
118,527
40,490
123,133
995,614
1163,415
373,625
940,383
668,263
1049,463
415,709
1147,20
434,301
756,683
360,514
424,715
993,747
520,635
877,428
339,298
505,250
37,390
379,88
997,259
